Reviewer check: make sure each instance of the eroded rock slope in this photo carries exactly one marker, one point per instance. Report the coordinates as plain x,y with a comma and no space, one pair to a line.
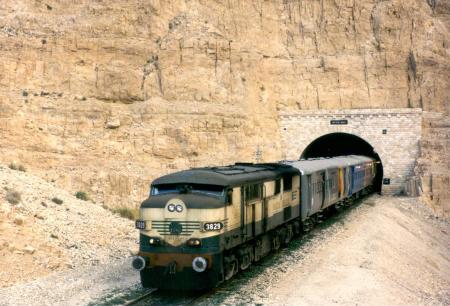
103,96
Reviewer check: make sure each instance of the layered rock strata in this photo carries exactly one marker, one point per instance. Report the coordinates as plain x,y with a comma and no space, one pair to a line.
103,96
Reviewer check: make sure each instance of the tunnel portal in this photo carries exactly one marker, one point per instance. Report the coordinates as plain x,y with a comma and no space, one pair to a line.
389,135
338,144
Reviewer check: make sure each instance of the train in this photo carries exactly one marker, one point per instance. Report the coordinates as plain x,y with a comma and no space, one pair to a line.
199,227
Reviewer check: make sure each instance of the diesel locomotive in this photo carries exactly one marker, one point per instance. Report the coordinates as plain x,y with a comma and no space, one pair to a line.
199,227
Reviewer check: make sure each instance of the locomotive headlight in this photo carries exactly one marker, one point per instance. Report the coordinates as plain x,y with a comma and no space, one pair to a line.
194,242
179,208
171,207
154,241
199,264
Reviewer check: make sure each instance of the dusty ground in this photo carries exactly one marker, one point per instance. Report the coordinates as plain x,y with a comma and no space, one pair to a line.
384,251
39,236
387,254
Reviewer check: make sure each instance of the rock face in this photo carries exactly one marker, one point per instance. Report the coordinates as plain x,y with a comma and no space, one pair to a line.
103,96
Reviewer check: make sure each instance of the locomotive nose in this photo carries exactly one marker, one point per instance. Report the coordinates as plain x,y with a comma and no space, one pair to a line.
138,263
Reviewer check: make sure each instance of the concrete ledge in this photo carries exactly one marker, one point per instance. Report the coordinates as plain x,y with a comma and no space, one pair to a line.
363,111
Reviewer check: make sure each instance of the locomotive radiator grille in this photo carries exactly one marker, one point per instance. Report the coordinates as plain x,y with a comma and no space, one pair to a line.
182,228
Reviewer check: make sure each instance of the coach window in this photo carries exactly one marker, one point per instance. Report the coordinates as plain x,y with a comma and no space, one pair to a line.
287,183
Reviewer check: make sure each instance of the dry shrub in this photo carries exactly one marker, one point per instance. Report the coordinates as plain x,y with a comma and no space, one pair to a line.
81,195
14,166
126,212
13,197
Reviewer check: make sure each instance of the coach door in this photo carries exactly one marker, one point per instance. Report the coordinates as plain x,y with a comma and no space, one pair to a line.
243,212
322,188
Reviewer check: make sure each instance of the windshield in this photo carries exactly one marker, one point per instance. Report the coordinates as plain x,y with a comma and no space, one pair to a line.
213,190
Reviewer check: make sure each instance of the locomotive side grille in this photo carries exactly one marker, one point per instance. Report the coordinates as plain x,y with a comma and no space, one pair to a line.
182,228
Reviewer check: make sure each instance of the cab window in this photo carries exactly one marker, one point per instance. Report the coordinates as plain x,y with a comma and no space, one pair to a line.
253,192
164,188
229,199
213,190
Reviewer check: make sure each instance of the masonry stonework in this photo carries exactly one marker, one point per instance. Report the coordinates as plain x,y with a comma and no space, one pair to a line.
398,148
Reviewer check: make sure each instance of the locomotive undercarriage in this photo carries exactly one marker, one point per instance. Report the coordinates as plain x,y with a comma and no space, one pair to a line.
241,257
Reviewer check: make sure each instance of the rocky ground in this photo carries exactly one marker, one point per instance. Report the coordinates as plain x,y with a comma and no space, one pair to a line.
44,229
384,251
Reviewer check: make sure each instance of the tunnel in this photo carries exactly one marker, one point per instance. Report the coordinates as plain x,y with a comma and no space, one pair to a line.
338,144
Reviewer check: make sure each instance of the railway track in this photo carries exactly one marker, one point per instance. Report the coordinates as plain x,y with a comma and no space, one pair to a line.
140,298
160,297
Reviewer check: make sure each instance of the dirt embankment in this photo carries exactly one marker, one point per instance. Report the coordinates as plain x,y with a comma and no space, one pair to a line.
45,229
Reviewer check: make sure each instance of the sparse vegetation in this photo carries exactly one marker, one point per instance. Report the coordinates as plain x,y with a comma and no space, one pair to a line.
15,166
126,212
57,200
13,197
81,195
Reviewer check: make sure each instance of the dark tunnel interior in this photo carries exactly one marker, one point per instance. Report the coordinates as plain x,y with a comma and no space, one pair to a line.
338,144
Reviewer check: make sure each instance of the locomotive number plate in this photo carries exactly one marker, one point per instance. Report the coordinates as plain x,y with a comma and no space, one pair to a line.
140,224
213,226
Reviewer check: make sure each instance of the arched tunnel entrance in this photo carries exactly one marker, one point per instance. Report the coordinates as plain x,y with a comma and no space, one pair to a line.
338,144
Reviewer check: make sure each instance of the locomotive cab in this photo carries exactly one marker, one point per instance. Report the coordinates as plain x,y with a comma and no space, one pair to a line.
180,225
200,226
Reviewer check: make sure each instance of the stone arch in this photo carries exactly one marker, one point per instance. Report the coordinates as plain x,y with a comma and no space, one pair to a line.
338,144
393,133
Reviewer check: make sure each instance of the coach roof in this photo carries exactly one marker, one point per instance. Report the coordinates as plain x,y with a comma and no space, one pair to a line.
319,164
234,175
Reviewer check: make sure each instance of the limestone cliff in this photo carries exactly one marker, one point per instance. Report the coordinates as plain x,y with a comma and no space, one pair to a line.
103,96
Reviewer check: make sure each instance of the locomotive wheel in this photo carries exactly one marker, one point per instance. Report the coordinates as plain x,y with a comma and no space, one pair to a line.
276,242
244,262
289,234
257,250
245,257
297,229
230,266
